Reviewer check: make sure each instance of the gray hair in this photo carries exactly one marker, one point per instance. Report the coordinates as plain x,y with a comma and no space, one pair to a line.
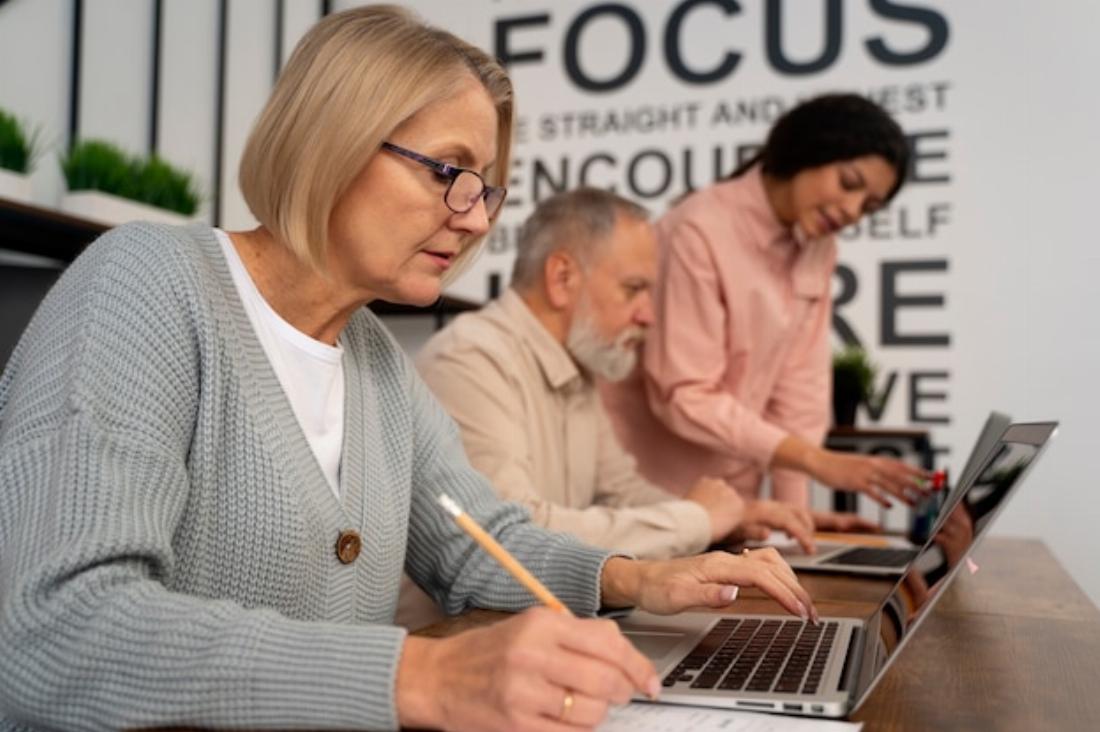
576,221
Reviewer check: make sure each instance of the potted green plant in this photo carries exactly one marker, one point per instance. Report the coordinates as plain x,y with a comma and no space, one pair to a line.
853,383
18,151
108,185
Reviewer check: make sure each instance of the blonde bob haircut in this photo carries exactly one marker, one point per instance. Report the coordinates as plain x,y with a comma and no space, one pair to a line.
351,81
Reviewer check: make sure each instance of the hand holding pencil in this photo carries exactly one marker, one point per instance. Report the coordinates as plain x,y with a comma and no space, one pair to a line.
541,669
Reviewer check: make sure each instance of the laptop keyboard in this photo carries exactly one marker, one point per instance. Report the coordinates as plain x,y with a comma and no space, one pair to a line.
875,557
785,656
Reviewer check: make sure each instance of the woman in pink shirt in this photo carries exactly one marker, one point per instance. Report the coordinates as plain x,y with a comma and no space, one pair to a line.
736,375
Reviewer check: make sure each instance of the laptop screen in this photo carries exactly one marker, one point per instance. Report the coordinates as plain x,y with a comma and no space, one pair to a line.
995,425
980,500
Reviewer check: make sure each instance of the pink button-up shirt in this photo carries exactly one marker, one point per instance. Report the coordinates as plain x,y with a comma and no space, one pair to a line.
739,356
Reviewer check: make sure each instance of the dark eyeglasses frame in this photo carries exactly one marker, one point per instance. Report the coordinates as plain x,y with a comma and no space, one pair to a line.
451,172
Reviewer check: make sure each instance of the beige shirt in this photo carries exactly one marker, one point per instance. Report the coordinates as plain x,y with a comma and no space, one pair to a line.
535,426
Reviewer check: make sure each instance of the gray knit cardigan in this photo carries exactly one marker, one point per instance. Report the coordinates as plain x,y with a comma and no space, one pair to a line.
167,537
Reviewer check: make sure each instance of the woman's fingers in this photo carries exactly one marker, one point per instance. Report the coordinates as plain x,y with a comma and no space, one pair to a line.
591,677
901,478
539,670
585,712
779,566
787,575
881,486
767,570
876,493
904,490
786,592
769,555
711,580
880,478
624,668
567,706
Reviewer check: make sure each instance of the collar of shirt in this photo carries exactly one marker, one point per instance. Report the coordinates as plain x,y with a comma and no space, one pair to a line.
813,263
558,367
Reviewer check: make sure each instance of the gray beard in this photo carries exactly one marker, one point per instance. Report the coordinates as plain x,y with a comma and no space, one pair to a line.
612,361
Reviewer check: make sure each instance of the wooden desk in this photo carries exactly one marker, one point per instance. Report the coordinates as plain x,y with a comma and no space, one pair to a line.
1014,647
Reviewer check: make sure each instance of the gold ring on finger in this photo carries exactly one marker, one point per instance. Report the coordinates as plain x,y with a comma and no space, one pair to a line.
566,705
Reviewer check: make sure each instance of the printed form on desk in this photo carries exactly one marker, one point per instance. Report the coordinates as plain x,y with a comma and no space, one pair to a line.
644,717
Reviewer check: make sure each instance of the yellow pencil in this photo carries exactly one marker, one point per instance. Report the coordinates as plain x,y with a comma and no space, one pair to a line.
499,553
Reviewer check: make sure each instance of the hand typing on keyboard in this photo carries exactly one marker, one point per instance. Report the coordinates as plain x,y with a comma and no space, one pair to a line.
706,580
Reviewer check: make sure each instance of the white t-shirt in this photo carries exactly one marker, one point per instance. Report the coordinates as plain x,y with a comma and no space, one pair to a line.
310,372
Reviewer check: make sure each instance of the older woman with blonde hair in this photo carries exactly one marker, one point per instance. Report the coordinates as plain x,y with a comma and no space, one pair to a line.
216,463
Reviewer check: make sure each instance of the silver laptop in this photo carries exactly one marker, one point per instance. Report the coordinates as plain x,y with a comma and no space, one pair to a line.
773,663
892,560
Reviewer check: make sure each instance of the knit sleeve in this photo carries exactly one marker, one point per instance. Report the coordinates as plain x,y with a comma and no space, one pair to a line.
96,415
450,566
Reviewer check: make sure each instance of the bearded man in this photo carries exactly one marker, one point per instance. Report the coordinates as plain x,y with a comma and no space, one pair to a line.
519,377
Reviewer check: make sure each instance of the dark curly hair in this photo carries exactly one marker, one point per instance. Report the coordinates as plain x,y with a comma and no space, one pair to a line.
830,128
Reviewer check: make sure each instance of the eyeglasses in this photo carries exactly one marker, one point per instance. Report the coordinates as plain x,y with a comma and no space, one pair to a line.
465,186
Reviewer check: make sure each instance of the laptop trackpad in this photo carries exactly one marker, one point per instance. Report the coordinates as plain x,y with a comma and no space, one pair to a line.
655,645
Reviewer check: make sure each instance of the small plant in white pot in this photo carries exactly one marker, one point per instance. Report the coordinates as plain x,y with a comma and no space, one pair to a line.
109,186
18,151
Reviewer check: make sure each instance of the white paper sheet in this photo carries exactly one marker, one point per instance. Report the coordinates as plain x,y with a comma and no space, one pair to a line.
642,717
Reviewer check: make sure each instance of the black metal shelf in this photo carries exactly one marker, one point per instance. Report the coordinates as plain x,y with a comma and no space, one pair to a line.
56,235
45,232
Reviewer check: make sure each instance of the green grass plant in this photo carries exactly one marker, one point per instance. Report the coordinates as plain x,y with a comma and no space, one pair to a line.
18,148
101,166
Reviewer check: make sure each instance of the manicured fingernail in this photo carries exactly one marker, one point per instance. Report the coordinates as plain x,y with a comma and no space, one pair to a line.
729,593
653,688
802,611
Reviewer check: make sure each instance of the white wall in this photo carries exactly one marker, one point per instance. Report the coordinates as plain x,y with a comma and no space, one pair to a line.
1008,99
34,64
1031,257
188,84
